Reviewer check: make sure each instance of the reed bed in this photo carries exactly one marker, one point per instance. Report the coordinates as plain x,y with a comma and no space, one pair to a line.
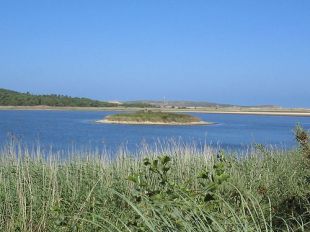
172,187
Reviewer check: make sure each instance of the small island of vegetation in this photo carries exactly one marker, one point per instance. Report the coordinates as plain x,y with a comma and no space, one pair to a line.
153,118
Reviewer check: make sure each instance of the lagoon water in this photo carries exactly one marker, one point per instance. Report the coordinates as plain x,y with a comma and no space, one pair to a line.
64,129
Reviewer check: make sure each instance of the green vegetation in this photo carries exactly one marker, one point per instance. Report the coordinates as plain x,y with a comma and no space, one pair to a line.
12,98
178,188
139,105
153,117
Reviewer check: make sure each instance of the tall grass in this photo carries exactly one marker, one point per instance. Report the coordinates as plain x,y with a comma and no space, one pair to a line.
191,190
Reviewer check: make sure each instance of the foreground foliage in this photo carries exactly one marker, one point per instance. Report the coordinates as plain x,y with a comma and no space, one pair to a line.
177,188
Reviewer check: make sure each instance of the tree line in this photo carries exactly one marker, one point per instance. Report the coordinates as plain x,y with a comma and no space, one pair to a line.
13,98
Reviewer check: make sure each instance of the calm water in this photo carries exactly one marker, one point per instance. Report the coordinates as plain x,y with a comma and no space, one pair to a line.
64,129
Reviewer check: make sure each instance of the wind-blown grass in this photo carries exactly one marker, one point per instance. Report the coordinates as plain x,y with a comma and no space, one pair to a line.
176,188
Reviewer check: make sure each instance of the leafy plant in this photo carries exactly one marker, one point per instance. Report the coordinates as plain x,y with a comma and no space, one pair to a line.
159,196
303,139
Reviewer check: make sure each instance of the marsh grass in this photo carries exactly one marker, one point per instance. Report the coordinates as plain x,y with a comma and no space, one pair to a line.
191,190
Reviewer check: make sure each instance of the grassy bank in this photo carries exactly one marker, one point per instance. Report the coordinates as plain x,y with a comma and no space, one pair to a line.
174,188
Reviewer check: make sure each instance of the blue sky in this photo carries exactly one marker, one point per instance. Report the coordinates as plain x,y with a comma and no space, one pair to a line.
237,52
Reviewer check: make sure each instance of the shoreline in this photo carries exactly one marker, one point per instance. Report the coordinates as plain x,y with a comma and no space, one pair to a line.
284,112
200,123
262,113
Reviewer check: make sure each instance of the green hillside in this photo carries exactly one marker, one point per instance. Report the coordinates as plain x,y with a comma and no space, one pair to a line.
13,98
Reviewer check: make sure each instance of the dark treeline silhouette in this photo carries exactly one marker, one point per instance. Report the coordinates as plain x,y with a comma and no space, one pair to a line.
13,98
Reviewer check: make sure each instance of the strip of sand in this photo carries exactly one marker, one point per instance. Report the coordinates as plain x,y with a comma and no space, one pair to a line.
284,112
268,113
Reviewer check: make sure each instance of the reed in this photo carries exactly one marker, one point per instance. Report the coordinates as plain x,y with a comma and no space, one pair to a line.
175,187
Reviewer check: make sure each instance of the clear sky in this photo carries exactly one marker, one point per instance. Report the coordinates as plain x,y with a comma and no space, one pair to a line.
239,52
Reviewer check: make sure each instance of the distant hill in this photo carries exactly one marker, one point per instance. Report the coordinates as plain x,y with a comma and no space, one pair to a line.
193,104
13,98
181,104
